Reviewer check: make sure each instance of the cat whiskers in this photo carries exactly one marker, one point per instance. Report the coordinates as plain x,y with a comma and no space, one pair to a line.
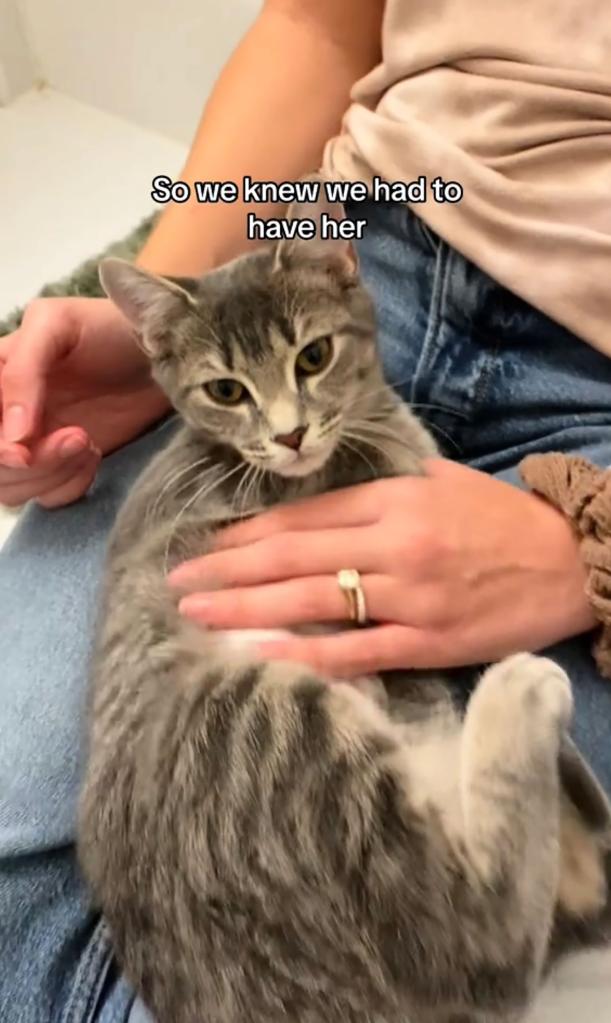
202,492
424,406
343,443
443,433
367,437
254,488
374,427
243,486
172,479
236,493
259,485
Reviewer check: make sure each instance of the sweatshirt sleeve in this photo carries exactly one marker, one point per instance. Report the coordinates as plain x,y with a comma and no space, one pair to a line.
582,491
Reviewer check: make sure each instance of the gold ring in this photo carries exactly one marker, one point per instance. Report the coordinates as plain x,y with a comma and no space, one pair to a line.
349,582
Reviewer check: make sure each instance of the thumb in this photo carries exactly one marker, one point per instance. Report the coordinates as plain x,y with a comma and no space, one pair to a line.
26,356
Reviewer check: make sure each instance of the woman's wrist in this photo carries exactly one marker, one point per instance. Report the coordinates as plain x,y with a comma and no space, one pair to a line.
571,598
133,366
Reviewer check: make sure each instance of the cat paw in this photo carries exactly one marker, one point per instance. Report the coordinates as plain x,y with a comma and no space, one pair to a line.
536,685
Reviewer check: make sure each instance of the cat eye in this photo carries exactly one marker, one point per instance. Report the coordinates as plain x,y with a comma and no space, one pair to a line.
226,391
314,357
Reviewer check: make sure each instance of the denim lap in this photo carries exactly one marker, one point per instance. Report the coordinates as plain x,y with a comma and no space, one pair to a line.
493,378
54,953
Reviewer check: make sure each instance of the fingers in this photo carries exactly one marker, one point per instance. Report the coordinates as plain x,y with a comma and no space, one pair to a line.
353,506
368,651
48,453
73,480
61,469
292,602
26,357
14,456
44,456
283,556
354,653
63,492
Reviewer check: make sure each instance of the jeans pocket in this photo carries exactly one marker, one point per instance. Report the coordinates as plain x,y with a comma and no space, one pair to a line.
420,229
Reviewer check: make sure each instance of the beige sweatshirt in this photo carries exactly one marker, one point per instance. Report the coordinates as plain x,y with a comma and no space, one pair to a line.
512,99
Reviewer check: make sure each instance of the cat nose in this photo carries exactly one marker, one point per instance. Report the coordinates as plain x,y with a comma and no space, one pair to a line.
292,440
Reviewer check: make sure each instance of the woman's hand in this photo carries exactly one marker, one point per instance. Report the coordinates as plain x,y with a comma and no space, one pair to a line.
74,386
457,568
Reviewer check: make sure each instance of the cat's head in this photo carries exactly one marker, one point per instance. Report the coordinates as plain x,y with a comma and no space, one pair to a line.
273,353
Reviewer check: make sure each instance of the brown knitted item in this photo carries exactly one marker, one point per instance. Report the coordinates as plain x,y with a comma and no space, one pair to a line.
582,491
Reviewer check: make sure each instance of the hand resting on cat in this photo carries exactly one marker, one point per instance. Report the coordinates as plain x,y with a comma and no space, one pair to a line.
459,567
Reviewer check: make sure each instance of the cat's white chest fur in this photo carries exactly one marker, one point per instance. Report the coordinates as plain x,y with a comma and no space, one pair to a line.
242,641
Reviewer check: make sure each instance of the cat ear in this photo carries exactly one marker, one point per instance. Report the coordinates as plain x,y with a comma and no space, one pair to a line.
148,301
339,251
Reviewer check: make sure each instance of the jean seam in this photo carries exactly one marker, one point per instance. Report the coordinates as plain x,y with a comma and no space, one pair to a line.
483,381
89,980
429,238
434,319
482,384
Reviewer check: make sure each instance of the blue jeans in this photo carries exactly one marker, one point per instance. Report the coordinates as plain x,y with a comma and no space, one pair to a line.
494,378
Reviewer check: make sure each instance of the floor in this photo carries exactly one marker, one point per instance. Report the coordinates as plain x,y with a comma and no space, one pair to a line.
73,179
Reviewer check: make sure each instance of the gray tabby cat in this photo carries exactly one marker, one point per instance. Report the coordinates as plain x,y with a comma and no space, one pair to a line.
267,846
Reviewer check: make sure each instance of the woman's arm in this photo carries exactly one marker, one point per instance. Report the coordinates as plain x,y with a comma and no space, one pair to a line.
279,99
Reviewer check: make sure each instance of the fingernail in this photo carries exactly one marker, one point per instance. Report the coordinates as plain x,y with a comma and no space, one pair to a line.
13,460
72,446
14,423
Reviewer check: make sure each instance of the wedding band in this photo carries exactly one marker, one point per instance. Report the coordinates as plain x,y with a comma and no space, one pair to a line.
349,582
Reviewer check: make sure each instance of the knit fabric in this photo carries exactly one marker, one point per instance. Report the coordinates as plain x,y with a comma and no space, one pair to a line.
582,491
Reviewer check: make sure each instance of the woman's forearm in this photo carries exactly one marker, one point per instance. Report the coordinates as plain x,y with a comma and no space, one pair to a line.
279,98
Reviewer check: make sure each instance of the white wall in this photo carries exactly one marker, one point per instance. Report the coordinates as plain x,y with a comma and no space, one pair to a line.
150,61
16,66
